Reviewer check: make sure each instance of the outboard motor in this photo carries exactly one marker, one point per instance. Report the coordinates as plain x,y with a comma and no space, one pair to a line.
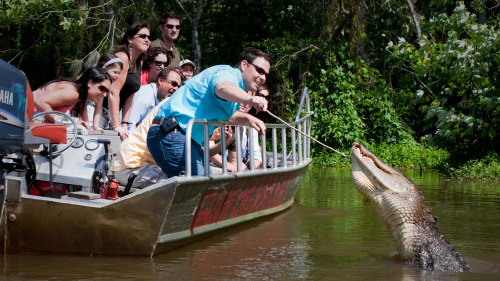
13,89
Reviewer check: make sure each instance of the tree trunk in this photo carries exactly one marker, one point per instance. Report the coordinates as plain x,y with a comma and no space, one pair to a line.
195,22
481,19
415,18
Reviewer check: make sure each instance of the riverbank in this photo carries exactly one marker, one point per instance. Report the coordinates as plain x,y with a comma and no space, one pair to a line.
410,154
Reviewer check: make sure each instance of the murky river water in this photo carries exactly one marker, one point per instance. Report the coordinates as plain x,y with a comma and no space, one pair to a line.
330,233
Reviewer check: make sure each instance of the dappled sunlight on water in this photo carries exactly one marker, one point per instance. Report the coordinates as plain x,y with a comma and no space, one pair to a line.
330,233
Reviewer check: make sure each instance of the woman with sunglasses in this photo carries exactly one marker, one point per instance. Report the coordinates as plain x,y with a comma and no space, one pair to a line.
71,95
135,42
155,61
263,91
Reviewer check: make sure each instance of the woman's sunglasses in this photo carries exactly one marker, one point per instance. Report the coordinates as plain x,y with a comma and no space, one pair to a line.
144,36
160,63
267,97
103,89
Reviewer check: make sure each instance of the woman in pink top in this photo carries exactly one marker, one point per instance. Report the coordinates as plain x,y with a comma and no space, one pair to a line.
64,94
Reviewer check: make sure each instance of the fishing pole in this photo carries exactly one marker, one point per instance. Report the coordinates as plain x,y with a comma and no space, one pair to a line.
293,128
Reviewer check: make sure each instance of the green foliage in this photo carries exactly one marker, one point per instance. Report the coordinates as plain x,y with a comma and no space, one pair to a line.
335,118
455,83
410,154
441,88
43,29
407,153
487,168
323,156
52,39
352,103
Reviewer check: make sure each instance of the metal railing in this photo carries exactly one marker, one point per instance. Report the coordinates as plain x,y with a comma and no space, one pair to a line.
295,147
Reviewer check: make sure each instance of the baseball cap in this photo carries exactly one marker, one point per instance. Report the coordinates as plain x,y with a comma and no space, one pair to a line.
186,61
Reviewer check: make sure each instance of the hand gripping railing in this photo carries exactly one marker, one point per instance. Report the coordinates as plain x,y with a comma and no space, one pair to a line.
288,142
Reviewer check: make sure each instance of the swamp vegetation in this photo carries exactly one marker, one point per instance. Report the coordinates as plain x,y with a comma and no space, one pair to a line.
417,81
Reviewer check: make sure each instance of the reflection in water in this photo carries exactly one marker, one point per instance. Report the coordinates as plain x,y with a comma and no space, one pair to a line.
251,252
330,233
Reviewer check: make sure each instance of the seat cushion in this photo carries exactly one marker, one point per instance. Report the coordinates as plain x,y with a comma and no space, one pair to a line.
55,133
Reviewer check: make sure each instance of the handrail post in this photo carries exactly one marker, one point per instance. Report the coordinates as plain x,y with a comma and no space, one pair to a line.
206,153
188,147
308,122
299,127
264,155
238,148
305,95
283,146
275,150
294,148
305,141
250,148
223,148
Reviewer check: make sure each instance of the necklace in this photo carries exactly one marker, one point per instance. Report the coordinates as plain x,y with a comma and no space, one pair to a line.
131,65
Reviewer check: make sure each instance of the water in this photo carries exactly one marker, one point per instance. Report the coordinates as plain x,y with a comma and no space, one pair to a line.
330,233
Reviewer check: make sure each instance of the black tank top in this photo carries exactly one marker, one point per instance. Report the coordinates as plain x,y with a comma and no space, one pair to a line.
131,85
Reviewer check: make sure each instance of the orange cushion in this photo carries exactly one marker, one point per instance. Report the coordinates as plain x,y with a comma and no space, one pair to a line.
56,133
30,103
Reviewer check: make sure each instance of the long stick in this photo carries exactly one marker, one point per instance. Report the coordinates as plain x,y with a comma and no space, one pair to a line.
293,128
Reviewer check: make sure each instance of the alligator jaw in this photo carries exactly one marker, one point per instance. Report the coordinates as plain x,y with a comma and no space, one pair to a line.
382,176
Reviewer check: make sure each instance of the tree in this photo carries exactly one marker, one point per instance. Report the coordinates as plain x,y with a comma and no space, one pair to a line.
195,21
454,70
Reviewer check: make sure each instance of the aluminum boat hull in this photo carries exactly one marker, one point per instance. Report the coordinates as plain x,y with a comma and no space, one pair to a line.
156,219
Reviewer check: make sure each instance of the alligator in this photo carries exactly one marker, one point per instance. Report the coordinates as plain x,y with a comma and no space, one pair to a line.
402,208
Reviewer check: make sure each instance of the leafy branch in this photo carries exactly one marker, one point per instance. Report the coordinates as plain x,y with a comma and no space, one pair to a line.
290,56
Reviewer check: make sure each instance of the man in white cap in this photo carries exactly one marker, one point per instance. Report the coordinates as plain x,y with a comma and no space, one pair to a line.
187,68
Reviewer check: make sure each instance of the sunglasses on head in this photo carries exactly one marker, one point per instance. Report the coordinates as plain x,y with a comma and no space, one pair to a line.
171,26
159,63
103,89
259,69
144,36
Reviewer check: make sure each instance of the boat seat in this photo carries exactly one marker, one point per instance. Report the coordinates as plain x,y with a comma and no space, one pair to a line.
55,133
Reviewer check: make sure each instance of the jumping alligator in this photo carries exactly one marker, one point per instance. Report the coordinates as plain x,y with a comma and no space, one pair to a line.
401,206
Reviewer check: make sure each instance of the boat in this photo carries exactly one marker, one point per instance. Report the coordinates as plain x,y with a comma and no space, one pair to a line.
58,198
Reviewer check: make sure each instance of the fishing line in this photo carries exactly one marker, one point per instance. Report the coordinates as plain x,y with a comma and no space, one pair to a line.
293,128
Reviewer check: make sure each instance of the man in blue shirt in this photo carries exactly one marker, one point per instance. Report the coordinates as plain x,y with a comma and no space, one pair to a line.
214,95
148,96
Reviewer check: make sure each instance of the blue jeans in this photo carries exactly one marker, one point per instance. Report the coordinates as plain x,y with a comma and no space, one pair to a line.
168,150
